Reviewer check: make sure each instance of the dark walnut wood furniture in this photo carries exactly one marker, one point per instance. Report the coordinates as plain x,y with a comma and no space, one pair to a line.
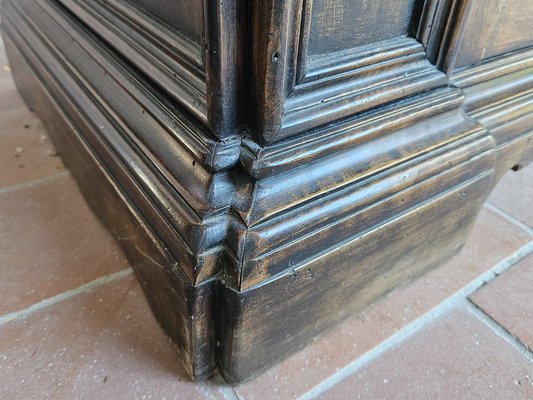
273,166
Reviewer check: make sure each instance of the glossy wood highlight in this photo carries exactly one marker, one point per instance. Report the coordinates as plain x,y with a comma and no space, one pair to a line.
269,167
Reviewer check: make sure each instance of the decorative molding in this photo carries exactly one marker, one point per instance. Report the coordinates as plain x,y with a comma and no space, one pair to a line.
296,94
170,294
158,34
356,172
198,76
262,162
352,86
170,59
493,69
322,191
499,96
285,312
144,141
440,30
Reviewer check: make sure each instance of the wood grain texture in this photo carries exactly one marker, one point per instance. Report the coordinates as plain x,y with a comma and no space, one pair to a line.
465,33
178,63
198,72
185,209
284,314
186,16
499,96
509,30
296,89
338,25
271,167
337,195
182,309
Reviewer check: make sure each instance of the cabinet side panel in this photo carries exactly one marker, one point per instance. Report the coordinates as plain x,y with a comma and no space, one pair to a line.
185,16
172,297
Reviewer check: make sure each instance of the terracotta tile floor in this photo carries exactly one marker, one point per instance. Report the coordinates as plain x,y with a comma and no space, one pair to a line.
74,323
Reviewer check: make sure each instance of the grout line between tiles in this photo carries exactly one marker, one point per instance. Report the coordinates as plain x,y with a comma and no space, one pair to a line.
227,392
233,396
456,299
498,329
33,182
237,395
508,217
63,296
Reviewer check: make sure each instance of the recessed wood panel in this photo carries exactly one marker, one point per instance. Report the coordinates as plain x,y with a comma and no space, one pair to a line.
495,27
344,24
185,16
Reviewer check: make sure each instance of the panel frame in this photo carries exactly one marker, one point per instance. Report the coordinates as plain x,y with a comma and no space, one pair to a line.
286,91
199,77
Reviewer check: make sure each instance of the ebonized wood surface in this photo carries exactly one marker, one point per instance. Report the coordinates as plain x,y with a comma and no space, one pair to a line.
273,166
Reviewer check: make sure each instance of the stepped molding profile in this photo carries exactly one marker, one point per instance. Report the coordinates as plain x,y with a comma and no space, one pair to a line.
268,168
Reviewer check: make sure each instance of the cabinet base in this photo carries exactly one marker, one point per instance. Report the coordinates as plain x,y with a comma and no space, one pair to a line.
261,274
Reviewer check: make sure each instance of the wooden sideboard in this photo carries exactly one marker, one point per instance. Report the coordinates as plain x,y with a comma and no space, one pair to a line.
273,166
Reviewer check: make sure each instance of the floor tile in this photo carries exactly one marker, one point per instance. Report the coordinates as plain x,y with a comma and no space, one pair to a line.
455,357
514,195
50,242
26,152
104,344
492,240
5,70
10,99
509,300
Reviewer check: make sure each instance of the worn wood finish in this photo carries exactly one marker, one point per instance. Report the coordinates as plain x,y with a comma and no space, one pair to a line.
271,166
188,15
464,33
284,314
354,184
147,143
192,56
509,30
171,295
499,95
339,25
298,86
